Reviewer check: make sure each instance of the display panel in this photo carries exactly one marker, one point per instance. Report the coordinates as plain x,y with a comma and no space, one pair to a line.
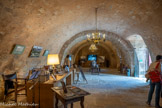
92,57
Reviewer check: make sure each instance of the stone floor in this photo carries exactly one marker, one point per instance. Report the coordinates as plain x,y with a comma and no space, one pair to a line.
110,89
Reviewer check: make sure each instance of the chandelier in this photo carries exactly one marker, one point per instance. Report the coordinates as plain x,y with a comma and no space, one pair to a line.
93,47
96,37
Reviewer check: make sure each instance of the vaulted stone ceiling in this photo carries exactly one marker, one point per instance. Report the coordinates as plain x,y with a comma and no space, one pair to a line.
50,23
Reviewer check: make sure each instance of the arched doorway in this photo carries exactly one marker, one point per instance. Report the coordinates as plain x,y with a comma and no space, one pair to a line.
141,55
122,47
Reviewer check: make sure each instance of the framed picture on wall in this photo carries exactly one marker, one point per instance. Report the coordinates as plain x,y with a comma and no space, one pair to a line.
101,59
35,52
46,52
18,49
83,58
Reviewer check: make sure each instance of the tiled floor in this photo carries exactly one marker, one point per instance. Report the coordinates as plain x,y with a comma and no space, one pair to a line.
112,90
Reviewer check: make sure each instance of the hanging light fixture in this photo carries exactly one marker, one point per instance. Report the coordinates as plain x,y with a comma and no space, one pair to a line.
93,47
96,37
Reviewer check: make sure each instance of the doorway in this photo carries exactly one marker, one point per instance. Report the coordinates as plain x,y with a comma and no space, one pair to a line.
141,55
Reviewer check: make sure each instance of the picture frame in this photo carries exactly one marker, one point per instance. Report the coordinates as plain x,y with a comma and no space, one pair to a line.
83,58
18,49
35,52
46,52
101,59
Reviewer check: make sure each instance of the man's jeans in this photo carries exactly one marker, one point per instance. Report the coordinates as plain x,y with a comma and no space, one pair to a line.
157,92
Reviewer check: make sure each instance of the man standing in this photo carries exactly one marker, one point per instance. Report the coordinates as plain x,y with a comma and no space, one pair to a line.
67,63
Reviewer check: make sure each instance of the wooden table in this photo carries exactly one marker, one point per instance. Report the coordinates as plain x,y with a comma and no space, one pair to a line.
74,94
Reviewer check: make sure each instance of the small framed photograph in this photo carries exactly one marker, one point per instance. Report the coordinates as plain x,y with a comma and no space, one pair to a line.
35,52
18,49
46,52
101,59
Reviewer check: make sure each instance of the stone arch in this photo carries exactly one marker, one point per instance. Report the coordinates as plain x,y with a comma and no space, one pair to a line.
124,46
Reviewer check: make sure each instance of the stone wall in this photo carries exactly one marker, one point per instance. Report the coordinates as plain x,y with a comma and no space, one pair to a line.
51,23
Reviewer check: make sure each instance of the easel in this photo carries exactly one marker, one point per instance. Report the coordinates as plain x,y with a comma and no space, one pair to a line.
82,74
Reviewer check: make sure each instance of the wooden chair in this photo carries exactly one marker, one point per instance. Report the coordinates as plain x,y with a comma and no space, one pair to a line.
21,84
8,84
12,82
